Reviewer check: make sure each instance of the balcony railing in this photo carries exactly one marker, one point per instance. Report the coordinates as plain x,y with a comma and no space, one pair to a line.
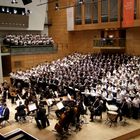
19,50
109,42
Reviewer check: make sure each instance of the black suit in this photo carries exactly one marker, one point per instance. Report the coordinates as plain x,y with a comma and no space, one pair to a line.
20,112
41,116
5,114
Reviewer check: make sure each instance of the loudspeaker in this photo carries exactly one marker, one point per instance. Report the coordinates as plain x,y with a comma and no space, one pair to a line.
26,1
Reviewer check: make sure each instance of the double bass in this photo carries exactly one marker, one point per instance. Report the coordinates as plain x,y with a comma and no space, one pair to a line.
60,125
65,119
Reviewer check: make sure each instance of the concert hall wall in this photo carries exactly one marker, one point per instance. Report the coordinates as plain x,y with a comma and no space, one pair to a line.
82,40
133,41
27,61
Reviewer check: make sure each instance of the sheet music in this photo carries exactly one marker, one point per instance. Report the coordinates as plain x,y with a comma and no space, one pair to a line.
69,97
32,107
49,102
60,105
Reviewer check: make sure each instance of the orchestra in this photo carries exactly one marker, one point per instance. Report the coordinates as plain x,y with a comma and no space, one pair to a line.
77,85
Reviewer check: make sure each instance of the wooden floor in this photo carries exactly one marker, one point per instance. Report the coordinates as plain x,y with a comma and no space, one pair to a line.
97,130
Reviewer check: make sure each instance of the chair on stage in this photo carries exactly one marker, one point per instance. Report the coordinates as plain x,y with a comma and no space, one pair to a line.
22,119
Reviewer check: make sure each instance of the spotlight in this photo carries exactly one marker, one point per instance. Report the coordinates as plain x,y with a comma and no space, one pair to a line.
56,6
14,2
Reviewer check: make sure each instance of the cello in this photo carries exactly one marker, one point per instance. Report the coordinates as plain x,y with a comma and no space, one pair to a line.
59,127
65,119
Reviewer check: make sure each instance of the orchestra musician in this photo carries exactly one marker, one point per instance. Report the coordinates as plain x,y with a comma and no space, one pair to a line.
41,116
58,112
5,113
13,94
4,91
123,110
135,107
96,108
66,118
20,111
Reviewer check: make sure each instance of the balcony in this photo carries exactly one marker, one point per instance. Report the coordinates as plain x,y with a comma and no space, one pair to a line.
106,43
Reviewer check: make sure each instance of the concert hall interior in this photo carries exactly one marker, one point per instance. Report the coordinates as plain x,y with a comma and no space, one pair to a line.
69,69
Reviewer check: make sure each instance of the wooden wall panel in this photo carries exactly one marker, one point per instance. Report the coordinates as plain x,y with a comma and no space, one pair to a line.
13,20
133,41
59,25
82,40
68,42
27,61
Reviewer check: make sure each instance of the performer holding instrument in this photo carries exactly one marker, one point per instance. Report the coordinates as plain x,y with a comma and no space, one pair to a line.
96,108
20,111
41,117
